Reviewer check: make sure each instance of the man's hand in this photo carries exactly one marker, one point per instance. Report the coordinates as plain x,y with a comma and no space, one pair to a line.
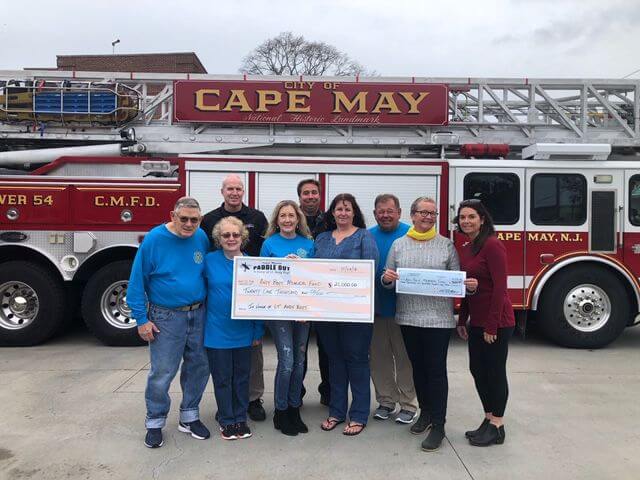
390,276
146,331
462,332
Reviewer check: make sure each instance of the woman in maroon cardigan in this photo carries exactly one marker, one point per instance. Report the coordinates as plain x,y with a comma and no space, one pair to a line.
492,322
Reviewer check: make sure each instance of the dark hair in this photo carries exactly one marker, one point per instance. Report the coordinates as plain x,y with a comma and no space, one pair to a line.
486,229
304,182
385,197
358,218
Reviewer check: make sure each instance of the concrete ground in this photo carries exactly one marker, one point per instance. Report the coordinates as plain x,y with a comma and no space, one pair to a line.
74,409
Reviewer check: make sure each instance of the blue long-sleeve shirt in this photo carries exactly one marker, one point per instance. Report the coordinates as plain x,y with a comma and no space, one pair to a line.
220,330
386,297
168,271
359,245
279,246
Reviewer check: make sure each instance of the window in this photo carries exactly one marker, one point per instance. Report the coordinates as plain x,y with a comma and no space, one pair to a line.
634,200
558,199
499,192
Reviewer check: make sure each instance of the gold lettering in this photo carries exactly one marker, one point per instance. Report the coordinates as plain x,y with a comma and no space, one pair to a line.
237,99
413,102
341,99
200,94
386,101
298,100
149,201
22,199
267,97
99,201
533,237
116,201
134,201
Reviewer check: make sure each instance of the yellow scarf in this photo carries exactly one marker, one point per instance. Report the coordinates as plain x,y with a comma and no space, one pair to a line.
422,236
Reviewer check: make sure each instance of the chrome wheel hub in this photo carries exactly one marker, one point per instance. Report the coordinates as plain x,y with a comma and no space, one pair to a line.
587,308
19,305
114,308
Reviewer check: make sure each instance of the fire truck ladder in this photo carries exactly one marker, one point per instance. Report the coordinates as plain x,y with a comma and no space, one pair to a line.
517,112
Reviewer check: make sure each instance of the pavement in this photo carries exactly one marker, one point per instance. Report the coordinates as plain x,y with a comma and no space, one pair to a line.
74,409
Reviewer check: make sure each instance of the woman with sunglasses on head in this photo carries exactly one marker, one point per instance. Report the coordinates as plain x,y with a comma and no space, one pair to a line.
288,236
426,322
490,314
228,342
347,343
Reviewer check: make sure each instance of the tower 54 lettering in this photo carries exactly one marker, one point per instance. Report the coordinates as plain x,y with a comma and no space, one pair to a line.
36,200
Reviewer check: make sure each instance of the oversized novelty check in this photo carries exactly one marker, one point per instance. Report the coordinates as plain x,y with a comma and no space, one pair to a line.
267,288
434,283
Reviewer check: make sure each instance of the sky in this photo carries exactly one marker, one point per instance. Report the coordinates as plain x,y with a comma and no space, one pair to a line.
459,38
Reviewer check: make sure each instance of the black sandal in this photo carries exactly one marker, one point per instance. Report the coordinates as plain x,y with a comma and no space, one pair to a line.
358,426
331,422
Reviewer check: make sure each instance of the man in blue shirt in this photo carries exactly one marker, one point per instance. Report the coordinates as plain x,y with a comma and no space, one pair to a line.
166,294
390,366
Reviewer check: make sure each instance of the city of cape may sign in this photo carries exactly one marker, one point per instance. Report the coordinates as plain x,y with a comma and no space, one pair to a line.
310,102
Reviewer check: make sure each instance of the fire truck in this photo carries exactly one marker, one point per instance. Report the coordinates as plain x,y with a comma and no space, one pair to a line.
90,161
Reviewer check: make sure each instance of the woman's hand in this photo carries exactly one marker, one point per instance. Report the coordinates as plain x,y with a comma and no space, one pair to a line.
389,276
255,343
471,285
489,338
462,332
292,255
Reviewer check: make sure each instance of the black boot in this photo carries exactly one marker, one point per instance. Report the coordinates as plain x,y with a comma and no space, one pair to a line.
282,422
434,439
491,435
421,425
296,420
477,431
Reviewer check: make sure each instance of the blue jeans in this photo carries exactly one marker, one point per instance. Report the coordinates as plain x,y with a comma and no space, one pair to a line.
290,338
230,370
347,346
181,337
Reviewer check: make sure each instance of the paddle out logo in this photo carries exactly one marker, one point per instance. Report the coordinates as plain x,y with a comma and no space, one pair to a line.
271,267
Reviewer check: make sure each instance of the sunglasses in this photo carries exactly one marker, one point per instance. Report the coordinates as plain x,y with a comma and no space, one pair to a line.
189,219
228,235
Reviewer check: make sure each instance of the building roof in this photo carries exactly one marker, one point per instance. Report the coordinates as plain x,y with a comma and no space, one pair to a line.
181,62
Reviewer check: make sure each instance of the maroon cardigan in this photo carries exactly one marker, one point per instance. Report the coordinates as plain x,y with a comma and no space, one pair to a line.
489,307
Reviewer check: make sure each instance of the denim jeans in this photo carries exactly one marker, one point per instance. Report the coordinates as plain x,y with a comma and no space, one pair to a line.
290,338
230,370
181,337
347,346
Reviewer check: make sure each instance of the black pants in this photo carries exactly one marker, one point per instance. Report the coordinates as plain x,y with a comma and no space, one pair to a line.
427,349
488,365
323,362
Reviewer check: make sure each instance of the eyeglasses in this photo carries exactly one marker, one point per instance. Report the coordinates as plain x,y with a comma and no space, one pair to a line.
189,219
426,213
228,235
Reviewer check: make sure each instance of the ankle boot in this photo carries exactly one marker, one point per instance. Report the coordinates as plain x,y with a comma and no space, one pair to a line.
296,420
491,435
434,439
282,422
477,431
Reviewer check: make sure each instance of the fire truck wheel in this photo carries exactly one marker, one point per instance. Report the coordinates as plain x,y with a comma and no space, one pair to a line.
31,304
584,307
105,309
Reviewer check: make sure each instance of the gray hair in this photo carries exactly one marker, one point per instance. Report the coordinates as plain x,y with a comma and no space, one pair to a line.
414,205
186,202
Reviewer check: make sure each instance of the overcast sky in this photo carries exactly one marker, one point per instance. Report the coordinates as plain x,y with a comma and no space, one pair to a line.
490,38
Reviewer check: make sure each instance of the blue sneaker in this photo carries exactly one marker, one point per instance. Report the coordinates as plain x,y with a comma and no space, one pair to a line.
153,439
196,429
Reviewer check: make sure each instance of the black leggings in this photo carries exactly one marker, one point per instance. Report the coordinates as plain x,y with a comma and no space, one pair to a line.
488,365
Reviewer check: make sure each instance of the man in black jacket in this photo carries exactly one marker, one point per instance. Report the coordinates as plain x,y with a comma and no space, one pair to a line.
309,198
255,221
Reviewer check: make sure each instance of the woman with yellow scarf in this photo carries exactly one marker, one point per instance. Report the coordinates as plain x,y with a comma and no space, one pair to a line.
426,322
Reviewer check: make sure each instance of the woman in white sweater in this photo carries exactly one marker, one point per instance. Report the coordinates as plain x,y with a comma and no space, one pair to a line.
426,322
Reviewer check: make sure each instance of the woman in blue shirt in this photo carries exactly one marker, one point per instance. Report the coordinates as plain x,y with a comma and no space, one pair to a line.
288,236
346,343
228,342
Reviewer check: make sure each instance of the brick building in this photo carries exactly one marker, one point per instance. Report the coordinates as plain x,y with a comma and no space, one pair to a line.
183,62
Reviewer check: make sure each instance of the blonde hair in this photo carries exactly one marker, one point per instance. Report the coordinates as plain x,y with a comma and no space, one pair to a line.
236,222
302,228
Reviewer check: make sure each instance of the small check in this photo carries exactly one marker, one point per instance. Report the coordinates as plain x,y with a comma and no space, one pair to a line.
434,283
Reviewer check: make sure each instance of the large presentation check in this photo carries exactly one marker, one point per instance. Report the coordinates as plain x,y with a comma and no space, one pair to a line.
266,288
435,283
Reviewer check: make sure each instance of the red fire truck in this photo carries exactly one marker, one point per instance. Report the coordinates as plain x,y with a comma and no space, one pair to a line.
555,161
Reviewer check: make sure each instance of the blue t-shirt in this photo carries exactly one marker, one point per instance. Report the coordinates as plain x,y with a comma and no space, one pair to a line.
220,330
279,246
168,271
386,297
